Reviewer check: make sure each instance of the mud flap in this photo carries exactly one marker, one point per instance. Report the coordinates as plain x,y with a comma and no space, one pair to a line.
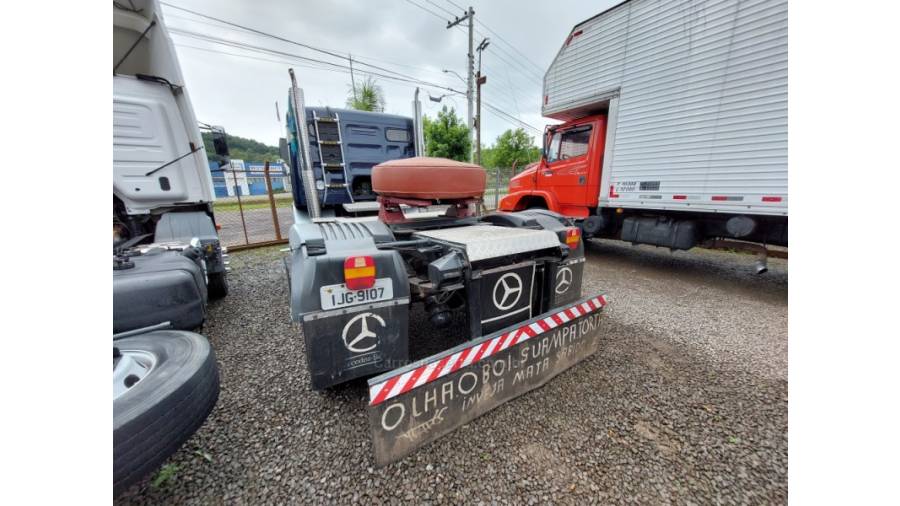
417,404
349,343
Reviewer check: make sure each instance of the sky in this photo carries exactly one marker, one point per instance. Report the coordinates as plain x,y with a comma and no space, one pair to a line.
239,90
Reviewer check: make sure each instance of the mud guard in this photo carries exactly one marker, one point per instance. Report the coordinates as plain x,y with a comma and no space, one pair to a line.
417,404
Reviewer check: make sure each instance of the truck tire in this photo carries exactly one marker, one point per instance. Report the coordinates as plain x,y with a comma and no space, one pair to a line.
165,383
217,285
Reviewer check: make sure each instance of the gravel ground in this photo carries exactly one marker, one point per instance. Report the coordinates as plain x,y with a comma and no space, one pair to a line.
686,402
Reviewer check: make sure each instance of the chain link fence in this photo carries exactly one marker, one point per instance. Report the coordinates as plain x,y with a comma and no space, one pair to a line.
253,206
497,185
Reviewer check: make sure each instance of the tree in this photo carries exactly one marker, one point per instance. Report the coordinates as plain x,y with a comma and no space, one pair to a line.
242,148
447,136
366,96
513,146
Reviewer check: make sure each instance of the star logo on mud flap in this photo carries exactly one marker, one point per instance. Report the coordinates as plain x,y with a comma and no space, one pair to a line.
507,291
563,280
357,336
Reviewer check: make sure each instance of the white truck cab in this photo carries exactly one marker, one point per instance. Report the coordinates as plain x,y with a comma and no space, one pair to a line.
162,187
158,155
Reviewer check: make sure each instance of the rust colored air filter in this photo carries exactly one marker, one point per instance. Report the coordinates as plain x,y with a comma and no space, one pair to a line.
428,178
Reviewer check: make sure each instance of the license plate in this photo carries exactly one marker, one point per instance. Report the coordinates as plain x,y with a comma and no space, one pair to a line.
338,296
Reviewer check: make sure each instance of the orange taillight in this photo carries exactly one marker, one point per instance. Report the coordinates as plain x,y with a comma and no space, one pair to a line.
573,235
359,272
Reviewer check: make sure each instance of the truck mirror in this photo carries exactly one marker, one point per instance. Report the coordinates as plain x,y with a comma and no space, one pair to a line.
220,145
283,151
548,132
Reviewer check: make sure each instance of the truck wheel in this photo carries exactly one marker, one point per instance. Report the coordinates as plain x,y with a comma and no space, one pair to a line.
165,383
217,285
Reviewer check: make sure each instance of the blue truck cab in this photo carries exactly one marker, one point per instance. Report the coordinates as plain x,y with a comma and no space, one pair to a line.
344,145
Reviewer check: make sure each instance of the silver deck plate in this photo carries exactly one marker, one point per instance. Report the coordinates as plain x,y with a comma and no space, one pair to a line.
362,207
488,241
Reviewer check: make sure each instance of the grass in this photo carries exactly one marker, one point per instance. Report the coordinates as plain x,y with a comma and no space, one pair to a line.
165,475
254,202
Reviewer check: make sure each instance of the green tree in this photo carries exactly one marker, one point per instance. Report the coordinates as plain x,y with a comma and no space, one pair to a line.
366,96
513,146
242,148
488,156
446,136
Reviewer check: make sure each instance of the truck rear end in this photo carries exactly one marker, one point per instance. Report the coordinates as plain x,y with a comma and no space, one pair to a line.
352,282
513,279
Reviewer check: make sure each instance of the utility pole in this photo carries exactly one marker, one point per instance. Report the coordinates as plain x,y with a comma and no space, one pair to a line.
352,80
470,82
481,80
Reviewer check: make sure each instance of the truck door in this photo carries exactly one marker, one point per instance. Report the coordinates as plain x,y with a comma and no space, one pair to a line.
567,169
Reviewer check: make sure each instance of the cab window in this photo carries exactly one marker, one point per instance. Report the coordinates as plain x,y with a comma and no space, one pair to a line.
574,142
569,144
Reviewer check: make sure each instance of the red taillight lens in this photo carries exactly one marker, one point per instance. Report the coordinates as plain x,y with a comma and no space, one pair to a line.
359,272
573,235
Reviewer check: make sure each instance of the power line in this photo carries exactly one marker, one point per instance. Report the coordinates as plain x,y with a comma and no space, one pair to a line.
282,39
510,117
345,70
251,47
402,77
513,47
456,5
429,11
540,69
251,57
454,14
433,71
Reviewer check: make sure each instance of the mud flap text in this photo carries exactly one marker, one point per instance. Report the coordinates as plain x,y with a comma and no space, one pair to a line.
415,405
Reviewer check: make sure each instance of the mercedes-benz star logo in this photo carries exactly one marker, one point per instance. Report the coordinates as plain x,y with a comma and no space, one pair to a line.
364,340
507,291
563,280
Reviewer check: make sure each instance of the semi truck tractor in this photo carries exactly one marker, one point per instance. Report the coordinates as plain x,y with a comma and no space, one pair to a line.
501,294
674,126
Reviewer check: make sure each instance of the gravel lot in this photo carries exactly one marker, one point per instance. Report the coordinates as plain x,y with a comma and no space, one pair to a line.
686,402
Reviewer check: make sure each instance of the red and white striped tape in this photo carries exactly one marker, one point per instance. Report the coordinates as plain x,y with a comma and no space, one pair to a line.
402,383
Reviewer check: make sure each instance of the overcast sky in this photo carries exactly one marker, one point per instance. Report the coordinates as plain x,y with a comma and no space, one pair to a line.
240,92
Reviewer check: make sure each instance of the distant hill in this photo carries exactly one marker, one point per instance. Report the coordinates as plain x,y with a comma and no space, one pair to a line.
242,148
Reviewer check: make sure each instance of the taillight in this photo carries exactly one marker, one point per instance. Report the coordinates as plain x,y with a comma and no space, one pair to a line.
573,235
359,272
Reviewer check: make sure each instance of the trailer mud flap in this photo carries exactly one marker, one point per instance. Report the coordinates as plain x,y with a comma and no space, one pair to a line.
414,405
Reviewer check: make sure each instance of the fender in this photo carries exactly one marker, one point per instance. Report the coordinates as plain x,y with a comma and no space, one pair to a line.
512,201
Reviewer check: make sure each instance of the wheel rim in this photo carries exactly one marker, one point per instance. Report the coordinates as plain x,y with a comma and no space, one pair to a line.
130,367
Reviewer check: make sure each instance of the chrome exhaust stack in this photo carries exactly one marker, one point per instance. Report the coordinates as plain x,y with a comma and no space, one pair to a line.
418,133
309,180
